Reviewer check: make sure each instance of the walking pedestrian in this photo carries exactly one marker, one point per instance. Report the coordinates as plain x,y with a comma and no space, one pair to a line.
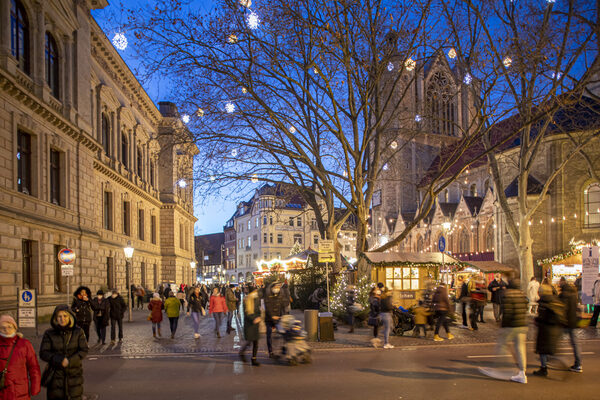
101,308
181,297
195,305
513,330
117,312
155,306
551,317
231,302
594,320
421,314
274,306
217,308
350,300
441,307
477,293
251,324
496,288
172,306
533,296
464,300
386,317
568,296
374,318
132,290
22,374
64,347
82,309
140,293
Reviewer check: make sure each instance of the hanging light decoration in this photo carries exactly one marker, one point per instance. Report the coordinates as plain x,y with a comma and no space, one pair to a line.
390,66
467,79
119,41
292,129
212,178
244,90
200,112
253,20
418,118
345,173
185,119
234,153
410,64
246,3
254,178
232,39
452,53
230,107
507,61
556,75
385,167
394,145
316,70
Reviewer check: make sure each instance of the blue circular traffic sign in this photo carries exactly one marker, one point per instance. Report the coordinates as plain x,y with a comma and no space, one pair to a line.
442,244
27,296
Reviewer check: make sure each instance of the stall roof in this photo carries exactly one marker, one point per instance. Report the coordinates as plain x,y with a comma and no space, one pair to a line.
491,266
412,258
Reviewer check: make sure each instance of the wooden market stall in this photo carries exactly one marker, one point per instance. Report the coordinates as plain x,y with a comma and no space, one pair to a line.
568,265
408,274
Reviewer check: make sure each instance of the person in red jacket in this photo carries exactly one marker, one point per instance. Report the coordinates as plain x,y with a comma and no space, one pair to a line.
22,379
217,307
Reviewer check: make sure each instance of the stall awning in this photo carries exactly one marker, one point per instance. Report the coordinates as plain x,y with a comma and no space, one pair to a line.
490,266
398,258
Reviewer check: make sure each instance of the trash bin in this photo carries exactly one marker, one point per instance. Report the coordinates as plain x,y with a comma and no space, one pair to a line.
326,327
311,325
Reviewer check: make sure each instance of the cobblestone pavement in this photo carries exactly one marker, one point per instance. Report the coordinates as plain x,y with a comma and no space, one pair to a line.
138,340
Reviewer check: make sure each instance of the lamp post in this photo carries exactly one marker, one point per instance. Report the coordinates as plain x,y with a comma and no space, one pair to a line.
194,276
128,257
445,227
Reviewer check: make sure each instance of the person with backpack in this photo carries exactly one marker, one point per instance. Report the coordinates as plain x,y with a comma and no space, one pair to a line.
568,296
550,321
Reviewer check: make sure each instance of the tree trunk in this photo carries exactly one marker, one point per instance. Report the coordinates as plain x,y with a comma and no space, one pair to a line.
525,253
361,241
332,234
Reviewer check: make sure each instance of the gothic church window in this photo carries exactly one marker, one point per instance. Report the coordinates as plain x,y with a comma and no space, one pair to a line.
591,204
464,245
441,107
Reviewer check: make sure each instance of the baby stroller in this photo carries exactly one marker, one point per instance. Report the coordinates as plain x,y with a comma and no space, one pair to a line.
403,321
295,348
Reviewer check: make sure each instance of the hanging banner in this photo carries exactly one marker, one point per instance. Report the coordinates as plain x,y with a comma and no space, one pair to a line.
590,272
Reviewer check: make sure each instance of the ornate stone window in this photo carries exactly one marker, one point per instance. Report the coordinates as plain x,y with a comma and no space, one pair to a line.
464,245
441,105
19,35
106,134
489,237
52,65
591,205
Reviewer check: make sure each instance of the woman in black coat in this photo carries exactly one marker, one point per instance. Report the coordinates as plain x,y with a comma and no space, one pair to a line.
82,309
64,347
549,323
101,307
251,324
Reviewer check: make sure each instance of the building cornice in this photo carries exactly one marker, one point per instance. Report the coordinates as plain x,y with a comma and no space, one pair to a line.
109,173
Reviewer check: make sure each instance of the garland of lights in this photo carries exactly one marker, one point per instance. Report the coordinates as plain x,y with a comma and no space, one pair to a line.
460,265
576,248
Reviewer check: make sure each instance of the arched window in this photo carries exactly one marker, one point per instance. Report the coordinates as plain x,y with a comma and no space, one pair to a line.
19,35
441,108
106,134
591,205
52,65
419,244
125,150
489,237
464,244
473,190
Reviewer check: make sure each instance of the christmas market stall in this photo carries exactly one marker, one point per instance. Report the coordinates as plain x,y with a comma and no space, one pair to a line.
489,269
407,274
283,266
566,265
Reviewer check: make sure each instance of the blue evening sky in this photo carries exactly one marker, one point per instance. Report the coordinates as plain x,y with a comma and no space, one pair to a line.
212,213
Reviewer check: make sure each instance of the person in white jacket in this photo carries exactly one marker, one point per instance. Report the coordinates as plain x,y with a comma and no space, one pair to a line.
532,294
594,320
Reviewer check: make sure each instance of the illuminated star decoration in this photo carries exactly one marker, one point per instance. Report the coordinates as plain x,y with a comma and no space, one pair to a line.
254,178
394,145
417,118
119,41
185,118
234,153
252,20
467,79
452,53
507,61
390,66
410,64
246,3
385,167
230,107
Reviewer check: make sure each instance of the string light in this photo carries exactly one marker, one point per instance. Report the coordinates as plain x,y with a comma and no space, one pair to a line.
507,61
253,20
185,118
385,167
394,145
232,39
452,53
246,3
418,118
212,178
552,219
410,64
200,112
234,153
292,129
230,107
119,41
390,66
467,79
244,90
254,178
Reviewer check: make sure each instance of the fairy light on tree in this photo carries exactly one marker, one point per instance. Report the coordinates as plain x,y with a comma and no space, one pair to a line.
394,145
452,53
185,119
200,112
246,3
254,178
410,64
230,107
292,129
253,20
467,79
507,62
390,66
232,39
119,41
234,153
418,118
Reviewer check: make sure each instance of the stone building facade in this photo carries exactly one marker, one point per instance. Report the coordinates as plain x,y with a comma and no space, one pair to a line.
88,161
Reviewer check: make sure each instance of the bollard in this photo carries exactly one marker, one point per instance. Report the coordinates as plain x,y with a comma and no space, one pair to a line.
311,324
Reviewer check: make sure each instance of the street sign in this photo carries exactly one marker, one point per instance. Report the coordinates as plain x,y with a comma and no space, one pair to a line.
26,298
66,256
590,271
326,251
27,317
326,257
442,244
67,270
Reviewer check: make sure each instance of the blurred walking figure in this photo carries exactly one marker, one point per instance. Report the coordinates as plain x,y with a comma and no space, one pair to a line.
64,347
496,288
140,293
231,302
386,317
251,324
533,287
421,314
550,319
22,375
568,296
82,308
196,306
101,309
441,307
513,330
156,306
117,311
172,306
594,320
274,308
374,318
350,300
217,308
464,300
181,297
477,293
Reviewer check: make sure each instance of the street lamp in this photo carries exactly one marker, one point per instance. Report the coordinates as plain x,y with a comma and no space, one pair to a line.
445,228
194,277
128,257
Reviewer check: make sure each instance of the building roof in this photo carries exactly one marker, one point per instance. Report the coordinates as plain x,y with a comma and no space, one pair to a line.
408,258
533,187
448,209
209,245
474,204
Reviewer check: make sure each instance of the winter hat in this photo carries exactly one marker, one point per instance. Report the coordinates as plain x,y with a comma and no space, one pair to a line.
9,319
100,292
156,296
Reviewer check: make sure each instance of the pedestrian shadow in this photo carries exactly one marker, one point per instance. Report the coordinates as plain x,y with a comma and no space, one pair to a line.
445,373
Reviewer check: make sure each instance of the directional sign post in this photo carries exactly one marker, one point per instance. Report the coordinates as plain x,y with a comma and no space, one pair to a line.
441,248
326,255
27,310
66,257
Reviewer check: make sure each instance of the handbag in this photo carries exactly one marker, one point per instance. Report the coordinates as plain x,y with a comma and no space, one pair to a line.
3,373
149,318
47,376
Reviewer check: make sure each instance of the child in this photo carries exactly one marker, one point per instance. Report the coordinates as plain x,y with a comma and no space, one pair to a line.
421,314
